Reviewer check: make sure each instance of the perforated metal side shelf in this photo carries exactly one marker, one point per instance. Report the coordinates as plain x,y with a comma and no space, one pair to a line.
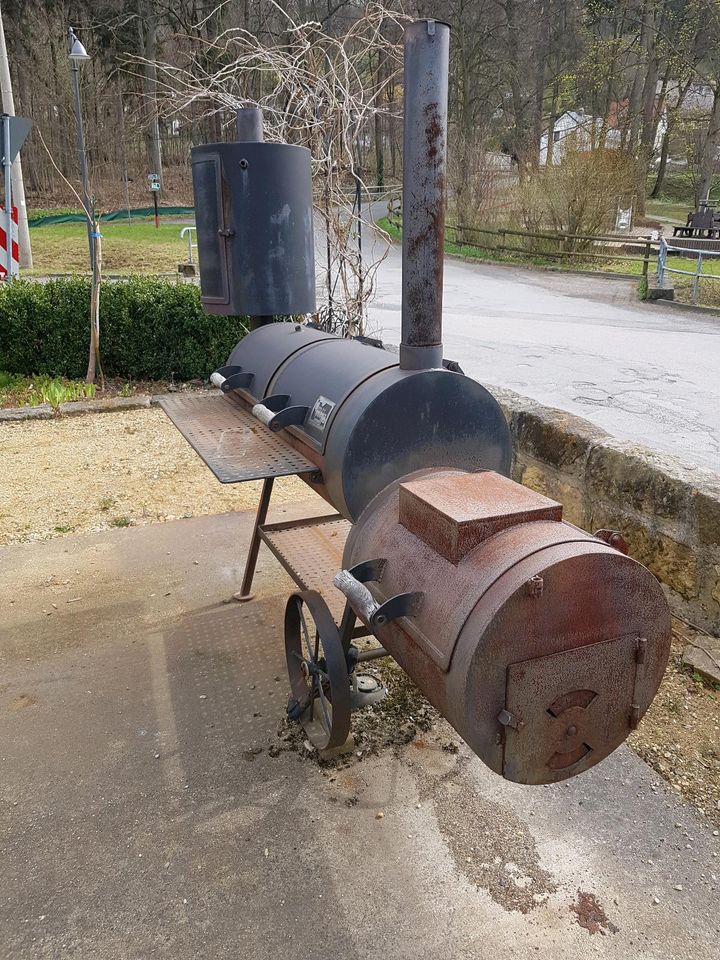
311,551
231,442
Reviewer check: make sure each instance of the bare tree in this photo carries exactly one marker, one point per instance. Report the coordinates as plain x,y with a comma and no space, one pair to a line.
317,89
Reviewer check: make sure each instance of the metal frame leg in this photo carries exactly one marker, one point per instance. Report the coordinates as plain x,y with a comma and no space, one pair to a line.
252,556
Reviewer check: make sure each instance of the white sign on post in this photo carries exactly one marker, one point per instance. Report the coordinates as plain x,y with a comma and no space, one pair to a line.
154,181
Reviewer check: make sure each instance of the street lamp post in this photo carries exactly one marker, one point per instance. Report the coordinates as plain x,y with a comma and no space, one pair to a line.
77,54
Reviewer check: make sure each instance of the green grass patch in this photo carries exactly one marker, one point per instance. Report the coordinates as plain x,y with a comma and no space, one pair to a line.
669,211
37,213
127,248
120,522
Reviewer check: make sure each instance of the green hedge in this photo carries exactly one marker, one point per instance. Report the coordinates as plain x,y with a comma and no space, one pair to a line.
149,329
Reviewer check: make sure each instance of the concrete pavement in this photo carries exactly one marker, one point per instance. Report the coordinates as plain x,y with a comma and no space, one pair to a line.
136,821
586,345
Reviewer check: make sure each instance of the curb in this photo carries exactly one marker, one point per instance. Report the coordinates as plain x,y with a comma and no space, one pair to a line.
74,408
688,307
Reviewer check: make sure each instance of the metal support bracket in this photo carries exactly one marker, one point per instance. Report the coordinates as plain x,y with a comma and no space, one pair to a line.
401,605
369,570
244,594
237,381
276,401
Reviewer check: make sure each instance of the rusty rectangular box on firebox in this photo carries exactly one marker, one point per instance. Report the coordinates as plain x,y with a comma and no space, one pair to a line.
454,512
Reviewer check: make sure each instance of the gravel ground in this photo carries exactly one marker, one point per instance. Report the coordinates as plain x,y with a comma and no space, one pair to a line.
680,734
93,472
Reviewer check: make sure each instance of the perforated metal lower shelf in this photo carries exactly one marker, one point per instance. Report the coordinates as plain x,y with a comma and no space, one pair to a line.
311,551
231,441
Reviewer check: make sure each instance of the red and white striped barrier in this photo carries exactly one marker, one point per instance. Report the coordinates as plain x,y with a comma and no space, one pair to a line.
15,253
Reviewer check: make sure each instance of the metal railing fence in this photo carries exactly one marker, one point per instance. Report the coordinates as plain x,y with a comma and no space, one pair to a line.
689,253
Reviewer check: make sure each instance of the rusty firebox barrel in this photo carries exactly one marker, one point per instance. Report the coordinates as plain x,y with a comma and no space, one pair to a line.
542,645
427,44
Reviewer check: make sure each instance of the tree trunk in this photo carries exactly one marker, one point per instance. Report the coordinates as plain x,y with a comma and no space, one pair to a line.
551,123
148,40
543,41
710,149
379,143
664,150
519,144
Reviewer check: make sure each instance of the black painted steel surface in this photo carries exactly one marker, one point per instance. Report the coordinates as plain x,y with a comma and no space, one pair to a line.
369,421
253,211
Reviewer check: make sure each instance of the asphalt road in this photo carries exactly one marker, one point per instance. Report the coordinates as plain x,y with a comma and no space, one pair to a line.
642,372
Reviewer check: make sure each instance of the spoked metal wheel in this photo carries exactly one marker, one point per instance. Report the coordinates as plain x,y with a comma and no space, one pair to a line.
318,672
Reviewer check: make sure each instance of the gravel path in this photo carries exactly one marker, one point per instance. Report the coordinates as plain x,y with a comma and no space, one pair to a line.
93,472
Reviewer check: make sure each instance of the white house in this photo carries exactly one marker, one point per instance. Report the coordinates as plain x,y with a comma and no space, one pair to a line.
577,129
581,131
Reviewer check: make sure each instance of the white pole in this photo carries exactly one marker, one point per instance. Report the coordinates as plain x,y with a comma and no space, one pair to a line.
8,198
18,187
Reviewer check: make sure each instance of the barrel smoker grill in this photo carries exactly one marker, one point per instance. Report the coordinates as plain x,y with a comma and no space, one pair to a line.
541,644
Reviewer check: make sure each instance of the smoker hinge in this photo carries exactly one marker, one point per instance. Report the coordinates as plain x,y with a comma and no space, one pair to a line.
508,719
641,650
634,715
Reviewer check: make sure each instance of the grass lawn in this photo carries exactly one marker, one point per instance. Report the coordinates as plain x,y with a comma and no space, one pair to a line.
668,210
136,247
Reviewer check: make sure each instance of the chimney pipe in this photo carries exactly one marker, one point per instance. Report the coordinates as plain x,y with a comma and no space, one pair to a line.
426,48
250,125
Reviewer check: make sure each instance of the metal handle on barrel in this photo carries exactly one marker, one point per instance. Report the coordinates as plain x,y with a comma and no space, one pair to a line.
371,612
263,413
357,595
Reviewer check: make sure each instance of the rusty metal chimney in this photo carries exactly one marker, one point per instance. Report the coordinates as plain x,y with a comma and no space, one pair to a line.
426,45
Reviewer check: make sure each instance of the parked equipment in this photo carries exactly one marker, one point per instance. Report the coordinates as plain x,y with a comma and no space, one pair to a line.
541,644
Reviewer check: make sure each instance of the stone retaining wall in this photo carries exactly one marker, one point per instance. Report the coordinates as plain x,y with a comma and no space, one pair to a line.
668,513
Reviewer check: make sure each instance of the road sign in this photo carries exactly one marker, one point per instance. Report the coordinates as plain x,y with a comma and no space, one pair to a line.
15,251
19,129
154,181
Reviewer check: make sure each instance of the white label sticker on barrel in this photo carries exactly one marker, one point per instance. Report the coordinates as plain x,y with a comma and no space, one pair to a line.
322,408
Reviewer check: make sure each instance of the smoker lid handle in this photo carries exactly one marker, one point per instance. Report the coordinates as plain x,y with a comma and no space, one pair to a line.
277,419
357,595
371,612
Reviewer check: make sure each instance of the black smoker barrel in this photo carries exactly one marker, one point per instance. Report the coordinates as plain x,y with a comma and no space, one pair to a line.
253,213
365,416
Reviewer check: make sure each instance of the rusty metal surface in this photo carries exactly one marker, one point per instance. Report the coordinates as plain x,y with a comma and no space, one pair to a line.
318,671
232,661
311,552
234,445
426,48
569,710
451,590
531,592
454,512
